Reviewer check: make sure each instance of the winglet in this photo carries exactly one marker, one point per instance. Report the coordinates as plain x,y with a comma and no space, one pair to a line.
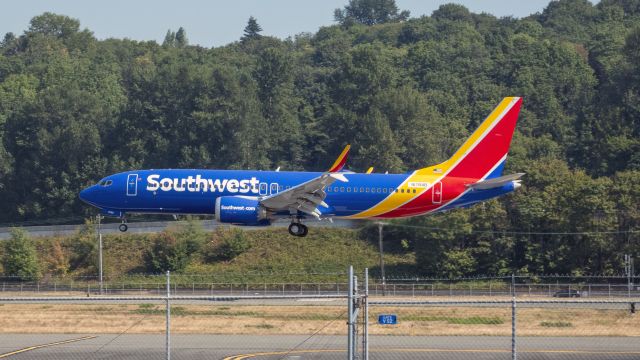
341,160
370,170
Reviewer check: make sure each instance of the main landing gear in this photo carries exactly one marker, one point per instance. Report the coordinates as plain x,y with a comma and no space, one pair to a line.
298,229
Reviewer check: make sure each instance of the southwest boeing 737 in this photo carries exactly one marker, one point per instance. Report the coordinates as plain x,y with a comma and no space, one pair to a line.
256,198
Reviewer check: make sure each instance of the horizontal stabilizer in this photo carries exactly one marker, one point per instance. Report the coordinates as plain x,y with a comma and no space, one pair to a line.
495,182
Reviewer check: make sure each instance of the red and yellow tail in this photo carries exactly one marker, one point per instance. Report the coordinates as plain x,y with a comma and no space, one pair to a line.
482,156
484,152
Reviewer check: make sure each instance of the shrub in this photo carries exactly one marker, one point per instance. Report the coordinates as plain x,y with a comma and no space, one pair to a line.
193,235
84,250
227,245
173,249
168,252
20,257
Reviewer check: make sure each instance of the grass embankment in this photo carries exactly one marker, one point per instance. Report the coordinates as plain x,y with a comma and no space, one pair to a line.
307,319
273,256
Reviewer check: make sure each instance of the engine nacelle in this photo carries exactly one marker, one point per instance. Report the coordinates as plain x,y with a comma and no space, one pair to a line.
241,210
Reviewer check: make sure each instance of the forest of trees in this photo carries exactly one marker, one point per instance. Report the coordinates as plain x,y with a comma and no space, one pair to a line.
404,91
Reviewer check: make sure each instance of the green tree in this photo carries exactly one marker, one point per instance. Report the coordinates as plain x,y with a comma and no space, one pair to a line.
181,38
370,12
20,256
51,24
252,30
169,39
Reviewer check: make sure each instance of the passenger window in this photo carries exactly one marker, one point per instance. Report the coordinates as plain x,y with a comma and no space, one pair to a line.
367,189
390,190
341,189
348,189
402,191
355,189
414,191
328,189
361,189
384,190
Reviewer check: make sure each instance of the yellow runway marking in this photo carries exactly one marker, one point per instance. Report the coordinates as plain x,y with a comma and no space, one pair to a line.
583,352
45,345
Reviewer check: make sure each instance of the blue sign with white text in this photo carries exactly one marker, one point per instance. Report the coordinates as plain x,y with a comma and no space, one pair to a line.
387,319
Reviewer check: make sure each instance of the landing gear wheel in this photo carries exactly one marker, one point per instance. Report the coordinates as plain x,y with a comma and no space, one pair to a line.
294,229
123,227
305,230
297,229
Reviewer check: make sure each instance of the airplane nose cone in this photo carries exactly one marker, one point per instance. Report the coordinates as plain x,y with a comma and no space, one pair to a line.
85,195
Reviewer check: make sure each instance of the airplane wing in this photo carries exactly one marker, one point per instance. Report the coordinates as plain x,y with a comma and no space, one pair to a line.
305,197
495,182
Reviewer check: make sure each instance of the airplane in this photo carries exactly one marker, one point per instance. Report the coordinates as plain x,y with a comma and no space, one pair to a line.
259,198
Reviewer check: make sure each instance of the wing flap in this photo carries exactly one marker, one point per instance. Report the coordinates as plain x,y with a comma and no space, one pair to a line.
305,197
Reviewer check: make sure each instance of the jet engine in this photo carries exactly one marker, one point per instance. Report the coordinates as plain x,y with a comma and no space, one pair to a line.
241,210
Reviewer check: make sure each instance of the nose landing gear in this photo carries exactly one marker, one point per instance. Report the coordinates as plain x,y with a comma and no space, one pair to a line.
298,229
123,227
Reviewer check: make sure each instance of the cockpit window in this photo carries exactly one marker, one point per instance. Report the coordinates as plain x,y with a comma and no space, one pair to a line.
105,182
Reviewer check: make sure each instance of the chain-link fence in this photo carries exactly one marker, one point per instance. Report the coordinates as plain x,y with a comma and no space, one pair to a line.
300,322
477,329
327,283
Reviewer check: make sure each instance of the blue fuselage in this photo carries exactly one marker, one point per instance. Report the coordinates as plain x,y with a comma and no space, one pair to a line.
195,191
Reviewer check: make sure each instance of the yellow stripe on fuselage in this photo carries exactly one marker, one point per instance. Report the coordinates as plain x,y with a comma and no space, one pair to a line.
435,173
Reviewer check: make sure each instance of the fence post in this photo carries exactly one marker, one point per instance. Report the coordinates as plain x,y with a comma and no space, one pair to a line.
514,353
350,317
168,322
365,338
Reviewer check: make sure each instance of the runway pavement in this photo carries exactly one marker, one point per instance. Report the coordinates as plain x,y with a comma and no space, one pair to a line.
157,226
237,347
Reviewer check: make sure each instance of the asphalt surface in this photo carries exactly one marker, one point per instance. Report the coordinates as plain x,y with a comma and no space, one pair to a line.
192,347
157,226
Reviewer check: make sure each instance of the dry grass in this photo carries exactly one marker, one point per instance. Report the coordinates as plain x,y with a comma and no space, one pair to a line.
257,319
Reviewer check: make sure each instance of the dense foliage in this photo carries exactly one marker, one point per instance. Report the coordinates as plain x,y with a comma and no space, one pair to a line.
19,257
403,91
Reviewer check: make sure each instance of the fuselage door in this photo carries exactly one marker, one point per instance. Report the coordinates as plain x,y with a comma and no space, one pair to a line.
263,188
437,193
273,189
132,185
